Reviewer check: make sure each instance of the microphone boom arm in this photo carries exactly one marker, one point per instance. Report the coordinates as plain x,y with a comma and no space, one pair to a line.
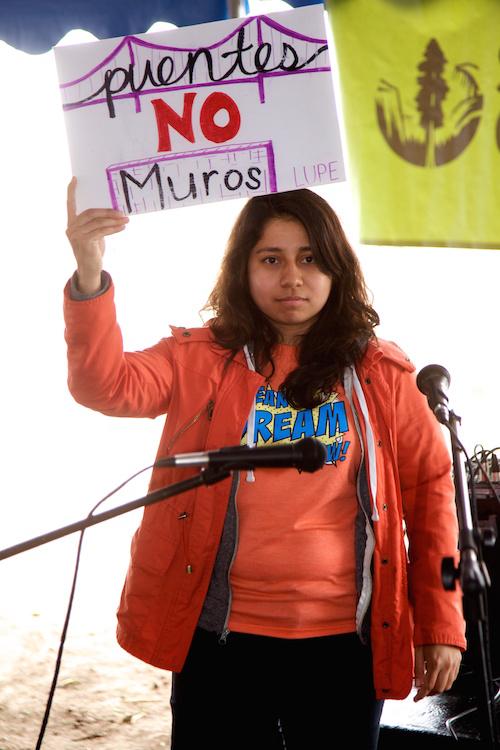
206,476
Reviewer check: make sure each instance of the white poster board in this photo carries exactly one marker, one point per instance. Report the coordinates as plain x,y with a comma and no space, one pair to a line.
229,109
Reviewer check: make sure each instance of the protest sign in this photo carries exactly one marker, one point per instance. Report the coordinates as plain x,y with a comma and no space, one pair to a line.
204,113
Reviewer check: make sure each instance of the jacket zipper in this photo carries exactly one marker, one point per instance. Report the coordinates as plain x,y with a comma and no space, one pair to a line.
234,489
209,408
370,542
361,613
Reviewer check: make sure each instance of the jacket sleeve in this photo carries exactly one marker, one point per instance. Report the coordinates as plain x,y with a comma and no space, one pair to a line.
430,516
104,377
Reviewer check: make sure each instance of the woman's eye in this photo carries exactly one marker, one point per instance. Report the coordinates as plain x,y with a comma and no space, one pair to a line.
308,259
271,259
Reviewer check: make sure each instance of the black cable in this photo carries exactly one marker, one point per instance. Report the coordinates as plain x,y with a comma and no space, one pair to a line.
64,631
480,459
479,464
449,722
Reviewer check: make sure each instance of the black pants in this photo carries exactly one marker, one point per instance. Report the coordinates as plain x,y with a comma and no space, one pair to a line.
260,693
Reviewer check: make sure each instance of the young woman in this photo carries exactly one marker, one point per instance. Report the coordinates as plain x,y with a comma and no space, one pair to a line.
287,605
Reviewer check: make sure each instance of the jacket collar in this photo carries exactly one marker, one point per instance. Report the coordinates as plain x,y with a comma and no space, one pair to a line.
203,334
378,349
184,335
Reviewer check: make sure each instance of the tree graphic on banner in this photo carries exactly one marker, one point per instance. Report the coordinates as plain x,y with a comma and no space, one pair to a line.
449,104
433,90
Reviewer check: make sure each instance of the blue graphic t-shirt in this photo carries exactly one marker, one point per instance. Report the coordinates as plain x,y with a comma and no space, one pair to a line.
276,422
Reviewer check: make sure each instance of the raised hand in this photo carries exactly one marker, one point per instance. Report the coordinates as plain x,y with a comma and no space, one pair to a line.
86,232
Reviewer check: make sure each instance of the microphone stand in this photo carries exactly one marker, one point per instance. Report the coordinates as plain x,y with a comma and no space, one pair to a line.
206,476
474,580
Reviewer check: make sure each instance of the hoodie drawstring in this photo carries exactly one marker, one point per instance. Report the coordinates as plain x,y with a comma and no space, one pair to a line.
251,417
370,440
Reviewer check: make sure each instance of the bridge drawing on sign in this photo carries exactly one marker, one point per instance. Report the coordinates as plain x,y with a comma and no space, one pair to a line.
257,49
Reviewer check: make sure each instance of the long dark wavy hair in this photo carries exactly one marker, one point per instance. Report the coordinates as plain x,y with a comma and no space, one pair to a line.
339,335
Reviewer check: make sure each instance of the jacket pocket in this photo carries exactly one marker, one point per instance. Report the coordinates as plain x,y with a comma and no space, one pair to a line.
153,551
142,600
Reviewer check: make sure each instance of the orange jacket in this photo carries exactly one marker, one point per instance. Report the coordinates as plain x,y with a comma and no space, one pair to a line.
208,398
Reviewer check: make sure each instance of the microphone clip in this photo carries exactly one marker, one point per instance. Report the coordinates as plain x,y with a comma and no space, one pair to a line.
213,474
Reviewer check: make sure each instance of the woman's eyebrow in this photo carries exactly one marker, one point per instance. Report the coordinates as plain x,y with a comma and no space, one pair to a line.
269,250
305,248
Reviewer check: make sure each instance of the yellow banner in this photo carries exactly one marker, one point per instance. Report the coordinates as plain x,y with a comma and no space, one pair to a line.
420,84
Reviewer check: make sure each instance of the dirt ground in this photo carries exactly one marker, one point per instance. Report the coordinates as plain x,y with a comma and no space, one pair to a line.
105,698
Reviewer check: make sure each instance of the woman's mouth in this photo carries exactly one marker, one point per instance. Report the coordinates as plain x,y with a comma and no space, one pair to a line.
291,300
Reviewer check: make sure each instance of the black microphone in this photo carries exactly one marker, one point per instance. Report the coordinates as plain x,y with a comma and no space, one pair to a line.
305,455
434,382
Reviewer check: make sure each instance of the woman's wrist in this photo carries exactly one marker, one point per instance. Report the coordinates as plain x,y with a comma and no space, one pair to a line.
88,282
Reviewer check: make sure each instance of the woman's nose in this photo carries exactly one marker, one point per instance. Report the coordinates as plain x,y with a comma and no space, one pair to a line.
291,275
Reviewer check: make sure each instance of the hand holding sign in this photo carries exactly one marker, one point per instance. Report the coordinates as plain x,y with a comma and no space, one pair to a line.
86,232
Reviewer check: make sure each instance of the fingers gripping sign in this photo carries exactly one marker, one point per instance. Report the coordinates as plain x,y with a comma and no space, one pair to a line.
436,669
86,232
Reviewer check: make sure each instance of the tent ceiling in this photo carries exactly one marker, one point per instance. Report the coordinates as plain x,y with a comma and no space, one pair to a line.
37,25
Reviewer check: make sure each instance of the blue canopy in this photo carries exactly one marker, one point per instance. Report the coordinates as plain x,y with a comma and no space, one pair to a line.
37,25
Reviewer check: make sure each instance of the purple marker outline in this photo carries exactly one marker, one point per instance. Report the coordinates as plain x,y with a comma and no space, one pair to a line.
284,30
260,77
267,145
132,62
128,41
143,43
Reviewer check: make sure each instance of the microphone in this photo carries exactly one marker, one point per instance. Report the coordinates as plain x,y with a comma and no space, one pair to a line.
308,454
433,381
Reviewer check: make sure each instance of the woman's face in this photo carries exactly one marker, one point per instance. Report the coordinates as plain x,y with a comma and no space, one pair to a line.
285,281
